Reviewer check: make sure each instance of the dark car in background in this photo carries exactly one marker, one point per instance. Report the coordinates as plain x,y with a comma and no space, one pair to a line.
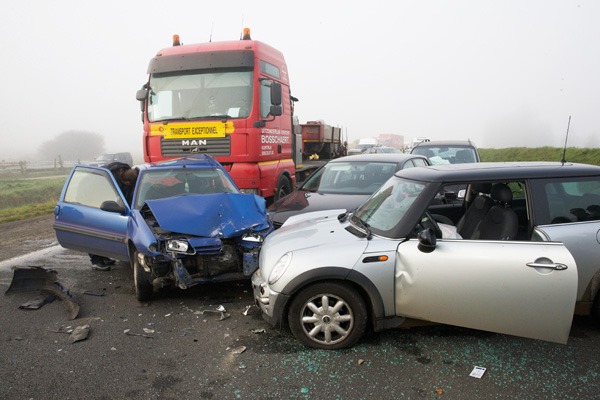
448,151
188,224
342,183
107,158
440,152
382,150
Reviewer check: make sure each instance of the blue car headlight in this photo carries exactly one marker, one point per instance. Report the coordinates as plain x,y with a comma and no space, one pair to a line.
280,267
253,237
179,246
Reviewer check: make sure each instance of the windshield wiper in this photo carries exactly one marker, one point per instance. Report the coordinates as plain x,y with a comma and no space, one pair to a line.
362,224
167,120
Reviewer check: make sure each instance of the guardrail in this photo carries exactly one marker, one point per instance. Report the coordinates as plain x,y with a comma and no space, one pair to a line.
38,166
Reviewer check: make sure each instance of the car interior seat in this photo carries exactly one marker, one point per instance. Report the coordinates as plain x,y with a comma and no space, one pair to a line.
463,156
478,209
501,222
428,153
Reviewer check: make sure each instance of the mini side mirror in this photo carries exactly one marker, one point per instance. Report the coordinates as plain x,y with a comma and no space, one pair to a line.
427,241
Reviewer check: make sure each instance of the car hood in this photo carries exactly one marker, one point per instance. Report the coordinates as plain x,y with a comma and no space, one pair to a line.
302,201
220,215
319,237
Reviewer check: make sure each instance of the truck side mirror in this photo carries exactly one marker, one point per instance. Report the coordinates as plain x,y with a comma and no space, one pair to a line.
276,111
141,95
275,95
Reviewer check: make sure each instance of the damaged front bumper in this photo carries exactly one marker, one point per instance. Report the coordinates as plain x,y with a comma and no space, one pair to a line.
271,303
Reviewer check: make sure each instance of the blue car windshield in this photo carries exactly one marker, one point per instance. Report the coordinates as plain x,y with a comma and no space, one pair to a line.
162,183
386,207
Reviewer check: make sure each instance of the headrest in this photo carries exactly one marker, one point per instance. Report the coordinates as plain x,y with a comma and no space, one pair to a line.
501,193
481,188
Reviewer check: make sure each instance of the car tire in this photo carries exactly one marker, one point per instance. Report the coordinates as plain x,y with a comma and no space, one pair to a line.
141,280
282,189
341,325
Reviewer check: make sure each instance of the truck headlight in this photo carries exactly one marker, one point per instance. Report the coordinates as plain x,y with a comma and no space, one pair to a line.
178,246
280,267
249,191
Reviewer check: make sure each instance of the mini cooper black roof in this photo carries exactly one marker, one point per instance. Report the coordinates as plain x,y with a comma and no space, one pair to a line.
507,171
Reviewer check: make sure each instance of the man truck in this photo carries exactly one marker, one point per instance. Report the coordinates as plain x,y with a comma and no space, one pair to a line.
228,99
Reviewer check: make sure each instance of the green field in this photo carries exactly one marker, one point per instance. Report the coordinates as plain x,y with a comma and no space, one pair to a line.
573,154
33,195
26,196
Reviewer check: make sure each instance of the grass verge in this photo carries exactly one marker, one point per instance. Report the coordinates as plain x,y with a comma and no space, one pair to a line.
26,212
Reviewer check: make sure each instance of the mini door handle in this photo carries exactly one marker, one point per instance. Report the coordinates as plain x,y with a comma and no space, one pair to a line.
557,266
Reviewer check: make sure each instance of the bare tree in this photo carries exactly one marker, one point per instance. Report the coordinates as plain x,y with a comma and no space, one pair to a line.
72,146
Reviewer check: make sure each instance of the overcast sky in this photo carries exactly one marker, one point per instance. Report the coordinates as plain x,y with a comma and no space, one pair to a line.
501,73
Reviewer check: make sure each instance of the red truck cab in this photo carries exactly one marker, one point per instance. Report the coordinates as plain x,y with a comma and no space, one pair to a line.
227,99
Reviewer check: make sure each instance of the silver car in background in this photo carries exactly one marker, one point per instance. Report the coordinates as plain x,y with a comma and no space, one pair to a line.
518,257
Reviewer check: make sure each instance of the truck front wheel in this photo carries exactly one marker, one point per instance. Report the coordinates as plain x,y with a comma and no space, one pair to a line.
283,188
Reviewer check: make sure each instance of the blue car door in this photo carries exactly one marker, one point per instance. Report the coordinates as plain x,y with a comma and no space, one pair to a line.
79,221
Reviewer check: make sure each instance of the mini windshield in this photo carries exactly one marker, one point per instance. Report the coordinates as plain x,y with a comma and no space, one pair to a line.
447,154
198,95
386,207
163,183
356,177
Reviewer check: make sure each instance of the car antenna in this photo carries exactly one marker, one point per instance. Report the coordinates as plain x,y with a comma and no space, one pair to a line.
563,161
212,25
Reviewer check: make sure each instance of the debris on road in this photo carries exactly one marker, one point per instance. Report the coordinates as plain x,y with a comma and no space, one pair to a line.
262,330
128,332
37,303
80,333
239,350
245,312
220,310
477,372
93,293
35,278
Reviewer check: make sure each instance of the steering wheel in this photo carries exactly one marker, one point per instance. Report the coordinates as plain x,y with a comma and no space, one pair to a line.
427,221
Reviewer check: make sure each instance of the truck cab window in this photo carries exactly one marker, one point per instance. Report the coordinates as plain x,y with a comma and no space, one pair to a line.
265,98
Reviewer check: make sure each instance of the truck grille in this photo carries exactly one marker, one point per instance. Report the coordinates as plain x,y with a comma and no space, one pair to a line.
185,147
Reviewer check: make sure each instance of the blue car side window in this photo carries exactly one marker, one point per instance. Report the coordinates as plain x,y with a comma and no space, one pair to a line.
91,187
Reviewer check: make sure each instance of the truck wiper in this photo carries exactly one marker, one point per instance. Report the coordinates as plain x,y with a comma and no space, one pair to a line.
223,117
167,120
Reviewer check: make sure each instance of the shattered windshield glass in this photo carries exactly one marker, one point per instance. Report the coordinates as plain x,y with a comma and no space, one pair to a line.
386,207
196,94
164,183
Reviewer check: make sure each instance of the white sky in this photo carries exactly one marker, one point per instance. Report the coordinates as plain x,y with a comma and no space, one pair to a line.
502,73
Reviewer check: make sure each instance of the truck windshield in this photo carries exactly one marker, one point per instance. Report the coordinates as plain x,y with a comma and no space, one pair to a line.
192,95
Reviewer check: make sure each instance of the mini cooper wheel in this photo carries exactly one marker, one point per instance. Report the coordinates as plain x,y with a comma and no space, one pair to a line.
328,316
141,279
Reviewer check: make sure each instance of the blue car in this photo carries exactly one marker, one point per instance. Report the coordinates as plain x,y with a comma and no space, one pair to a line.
188,223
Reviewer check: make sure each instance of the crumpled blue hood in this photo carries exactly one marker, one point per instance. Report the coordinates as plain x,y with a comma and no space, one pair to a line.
221,215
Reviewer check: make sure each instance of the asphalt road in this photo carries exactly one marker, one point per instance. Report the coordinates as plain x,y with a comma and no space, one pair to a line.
184,354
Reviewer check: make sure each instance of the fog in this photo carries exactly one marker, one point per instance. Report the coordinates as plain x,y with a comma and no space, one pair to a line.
501,73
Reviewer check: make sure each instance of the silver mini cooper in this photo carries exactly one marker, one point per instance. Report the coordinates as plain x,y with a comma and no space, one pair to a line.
517,256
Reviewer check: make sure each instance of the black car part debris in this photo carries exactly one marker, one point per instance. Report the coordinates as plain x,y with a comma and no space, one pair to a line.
33,279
